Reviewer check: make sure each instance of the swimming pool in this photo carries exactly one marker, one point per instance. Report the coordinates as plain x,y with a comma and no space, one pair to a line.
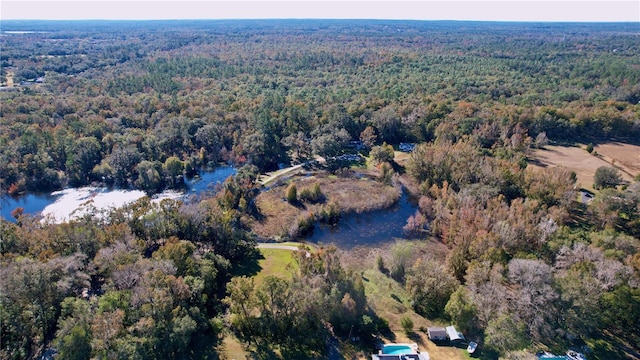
398,349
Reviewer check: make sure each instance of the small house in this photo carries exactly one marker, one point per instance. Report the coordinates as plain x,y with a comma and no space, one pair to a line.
437,333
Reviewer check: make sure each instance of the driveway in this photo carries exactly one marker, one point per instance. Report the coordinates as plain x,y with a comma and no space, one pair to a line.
277,246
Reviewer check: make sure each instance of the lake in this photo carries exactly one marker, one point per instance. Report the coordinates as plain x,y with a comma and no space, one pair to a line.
31,203
61,204
370,229
207,180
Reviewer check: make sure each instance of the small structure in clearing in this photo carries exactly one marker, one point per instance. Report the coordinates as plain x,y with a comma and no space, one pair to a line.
437,333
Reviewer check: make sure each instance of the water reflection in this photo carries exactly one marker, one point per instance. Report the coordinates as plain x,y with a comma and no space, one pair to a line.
207,180
33,203
372,228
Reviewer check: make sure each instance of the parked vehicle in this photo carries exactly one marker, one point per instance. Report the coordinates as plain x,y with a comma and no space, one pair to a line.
472,347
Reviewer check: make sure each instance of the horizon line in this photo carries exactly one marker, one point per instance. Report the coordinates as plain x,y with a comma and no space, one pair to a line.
324,19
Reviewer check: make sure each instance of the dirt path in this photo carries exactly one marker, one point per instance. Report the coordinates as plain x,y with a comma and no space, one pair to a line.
9,78
277,246
275,175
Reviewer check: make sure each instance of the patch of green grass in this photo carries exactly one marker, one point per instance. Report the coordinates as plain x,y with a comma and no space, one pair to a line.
276,262
481,354
390,300
231,348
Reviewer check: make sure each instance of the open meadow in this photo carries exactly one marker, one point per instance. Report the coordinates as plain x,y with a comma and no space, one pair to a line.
625,157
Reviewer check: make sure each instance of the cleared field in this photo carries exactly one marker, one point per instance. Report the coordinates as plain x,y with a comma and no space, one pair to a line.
278,260
625,157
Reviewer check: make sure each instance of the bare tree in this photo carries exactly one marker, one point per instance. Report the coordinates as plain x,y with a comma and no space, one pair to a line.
533,297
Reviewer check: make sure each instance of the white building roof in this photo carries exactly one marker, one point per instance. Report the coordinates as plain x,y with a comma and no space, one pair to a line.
453,333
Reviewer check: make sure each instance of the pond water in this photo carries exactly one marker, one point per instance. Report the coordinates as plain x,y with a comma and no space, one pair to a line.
61,204
370,229
207,180
31,203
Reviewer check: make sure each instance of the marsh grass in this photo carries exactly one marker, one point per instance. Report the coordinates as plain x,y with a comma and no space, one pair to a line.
282,220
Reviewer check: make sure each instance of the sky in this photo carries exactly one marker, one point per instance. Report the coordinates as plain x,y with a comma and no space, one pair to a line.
495,10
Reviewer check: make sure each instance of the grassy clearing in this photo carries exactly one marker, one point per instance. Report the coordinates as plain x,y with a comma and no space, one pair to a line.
276,262
231,348
575,159
401,158
625,157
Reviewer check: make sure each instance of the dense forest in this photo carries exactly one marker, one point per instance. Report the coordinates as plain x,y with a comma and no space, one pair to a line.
136,103
144,104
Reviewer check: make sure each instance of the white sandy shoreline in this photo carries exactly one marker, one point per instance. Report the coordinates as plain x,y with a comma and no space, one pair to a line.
75,203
